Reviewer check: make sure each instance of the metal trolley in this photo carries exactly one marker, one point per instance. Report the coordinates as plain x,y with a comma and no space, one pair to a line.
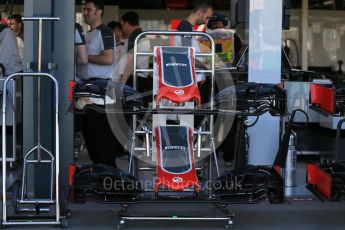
52,160
21,202
146,130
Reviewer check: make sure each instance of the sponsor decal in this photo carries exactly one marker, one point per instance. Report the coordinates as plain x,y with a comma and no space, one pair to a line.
171,147
177,179
179,92
176,64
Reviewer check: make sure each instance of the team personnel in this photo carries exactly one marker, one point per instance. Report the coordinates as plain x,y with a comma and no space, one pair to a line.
199,15
16,24
100,44
102,146
120,51
131,29
10,60
217,23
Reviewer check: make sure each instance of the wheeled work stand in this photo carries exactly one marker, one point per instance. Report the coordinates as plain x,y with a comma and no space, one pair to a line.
54,162
171,141
29,210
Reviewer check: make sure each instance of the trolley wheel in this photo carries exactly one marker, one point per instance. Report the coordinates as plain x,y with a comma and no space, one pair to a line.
229,224
37,209
66,212
121,224
63,222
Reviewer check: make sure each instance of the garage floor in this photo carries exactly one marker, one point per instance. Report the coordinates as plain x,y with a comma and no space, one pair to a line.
297,214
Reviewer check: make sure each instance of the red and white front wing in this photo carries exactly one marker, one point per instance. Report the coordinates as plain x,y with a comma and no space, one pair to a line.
176,181
181,93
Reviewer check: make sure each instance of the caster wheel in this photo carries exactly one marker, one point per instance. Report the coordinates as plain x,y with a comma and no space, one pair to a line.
66,213
229,224
121,224
63,222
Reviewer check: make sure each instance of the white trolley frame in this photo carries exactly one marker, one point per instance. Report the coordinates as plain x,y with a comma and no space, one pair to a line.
134,168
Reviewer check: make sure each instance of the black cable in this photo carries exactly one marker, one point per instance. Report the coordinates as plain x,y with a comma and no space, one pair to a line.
296,48
251,125
338,133
306,116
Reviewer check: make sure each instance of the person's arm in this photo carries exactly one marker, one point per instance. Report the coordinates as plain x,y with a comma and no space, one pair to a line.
80,45
106,57
81,54
128,68
199,61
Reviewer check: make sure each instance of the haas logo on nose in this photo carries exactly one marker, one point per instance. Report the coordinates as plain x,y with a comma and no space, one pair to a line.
179,92
177,179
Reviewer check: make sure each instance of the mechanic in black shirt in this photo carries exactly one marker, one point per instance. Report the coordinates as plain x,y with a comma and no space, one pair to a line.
199,15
